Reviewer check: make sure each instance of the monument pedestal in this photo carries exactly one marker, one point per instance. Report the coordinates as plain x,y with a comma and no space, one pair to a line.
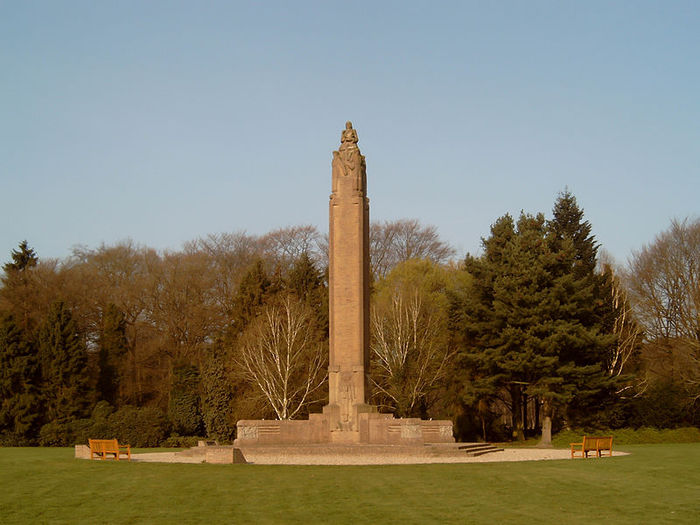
374,429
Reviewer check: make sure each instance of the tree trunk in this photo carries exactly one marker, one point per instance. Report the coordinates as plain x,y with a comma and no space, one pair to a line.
547,413
517,412
526,427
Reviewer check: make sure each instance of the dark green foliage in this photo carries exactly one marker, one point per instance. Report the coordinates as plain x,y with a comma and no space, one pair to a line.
307,283
19,375
66,433
585,306
217,396
139,427
63,361
57,434
533,324
113,347
16,288
568,226
251,296
181,441
184,408
510,312
100,425
22,258
630,436
663,405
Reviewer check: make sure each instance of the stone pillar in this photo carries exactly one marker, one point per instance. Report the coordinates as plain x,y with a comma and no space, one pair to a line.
347,418
348,290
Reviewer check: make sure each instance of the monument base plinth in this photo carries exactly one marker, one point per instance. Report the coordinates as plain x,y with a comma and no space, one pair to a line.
373,428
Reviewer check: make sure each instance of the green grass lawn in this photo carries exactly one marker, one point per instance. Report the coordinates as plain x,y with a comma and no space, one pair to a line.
656,484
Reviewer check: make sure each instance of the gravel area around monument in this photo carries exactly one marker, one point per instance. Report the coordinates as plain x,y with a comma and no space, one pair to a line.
509,454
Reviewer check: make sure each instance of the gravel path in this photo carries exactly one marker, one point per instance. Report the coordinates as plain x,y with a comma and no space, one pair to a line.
262,458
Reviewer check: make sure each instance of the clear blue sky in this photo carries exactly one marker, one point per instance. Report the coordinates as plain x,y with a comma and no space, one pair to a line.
166,121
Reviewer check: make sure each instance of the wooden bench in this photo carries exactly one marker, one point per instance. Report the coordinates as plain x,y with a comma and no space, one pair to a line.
108,449
598,444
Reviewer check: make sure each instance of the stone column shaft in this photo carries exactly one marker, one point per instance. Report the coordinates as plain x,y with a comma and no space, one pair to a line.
348,286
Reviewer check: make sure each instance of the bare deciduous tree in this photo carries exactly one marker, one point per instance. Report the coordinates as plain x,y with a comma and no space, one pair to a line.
409,347
282,357
285,245
629,335
393,242
664,283
182,305
231,256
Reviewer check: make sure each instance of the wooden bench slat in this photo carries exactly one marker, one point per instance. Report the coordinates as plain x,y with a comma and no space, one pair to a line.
108,449
597,444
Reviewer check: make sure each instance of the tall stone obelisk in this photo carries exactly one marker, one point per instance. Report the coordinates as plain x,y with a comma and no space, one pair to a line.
348,290
347,418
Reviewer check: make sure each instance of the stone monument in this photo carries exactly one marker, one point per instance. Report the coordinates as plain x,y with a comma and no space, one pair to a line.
348,281
347,418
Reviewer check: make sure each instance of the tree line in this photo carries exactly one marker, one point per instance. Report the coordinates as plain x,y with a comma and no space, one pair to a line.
535,333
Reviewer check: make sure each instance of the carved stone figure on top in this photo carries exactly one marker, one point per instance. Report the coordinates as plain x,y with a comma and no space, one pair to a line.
348,137
348,161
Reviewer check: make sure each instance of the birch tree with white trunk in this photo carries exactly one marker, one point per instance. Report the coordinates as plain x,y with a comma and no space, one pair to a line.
282,356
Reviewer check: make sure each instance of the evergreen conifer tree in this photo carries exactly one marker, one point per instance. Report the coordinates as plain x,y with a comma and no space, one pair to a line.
306,283
63,362
22,258
583,307
568,225
19,396
217,395
184,407
113,346
16,291
496,351
532,322
251,295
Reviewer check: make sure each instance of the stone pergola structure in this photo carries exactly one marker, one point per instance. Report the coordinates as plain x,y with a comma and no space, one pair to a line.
347,418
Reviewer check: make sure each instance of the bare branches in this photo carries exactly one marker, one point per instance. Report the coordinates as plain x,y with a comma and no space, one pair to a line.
282,357
398,241
285,245
628,332
664,284
408,345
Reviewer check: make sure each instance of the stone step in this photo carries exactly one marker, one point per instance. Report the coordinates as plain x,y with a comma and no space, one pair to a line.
482,452
479,449
474,446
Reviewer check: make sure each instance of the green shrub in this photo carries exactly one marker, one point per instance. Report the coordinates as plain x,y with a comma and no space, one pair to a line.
55,434
139,427
630,436
176,441
13,439
81,430
664,405
184,409
102,411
